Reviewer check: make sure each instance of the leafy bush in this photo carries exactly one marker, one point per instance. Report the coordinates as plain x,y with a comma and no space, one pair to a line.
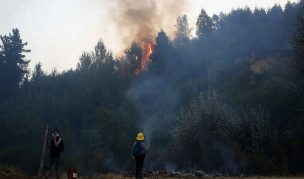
211,130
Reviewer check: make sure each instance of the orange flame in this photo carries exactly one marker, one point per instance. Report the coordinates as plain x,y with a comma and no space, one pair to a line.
146,57
150,52
144,61
136,72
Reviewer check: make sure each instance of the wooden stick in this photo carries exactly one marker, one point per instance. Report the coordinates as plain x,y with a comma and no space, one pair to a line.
43,151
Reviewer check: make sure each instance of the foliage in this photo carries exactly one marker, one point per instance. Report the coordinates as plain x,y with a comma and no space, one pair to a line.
183,31
134,57
297,43
210,122
159,54
37,73
204,25
102,105
85,61
13,66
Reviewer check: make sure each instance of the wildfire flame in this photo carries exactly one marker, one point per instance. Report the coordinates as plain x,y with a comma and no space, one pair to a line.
144,61
150,51
136,72
146,57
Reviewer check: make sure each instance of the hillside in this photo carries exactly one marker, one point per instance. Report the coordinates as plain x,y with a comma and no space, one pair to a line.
223,101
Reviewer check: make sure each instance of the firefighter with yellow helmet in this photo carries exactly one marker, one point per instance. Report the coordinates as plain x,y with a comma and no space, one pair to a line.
139,153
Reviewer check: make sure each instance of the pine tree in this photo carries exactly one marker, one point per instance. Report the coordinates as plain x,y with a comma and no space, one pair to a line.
160,50
100,52
13,65
134,57
85,61
38,72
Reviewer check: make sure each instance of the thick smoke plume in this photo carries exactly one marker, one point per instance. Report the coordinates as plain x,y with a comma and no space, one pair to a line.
141,20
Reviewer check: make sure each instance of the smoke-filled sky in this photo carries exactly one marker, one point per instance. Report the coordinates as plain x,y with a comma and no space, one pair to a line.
58,31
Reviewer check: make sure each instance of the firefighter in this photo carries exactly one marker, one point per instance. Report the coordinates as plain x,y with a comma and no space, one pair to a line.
139,153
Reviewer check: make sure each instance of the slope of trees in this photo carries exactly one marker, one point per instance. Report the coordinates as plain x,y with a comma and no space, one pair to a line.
101,105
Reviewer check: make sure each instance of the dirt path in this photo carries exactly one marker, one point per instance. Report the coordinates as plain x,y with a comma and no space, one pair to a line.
121,176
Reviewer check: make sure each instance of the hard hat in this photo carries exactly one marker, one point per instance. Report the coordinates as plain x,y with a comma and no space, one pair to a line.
140,136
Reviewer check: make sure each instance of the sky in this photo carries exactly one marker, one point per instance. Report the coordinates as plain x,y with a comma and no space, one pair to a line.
59,31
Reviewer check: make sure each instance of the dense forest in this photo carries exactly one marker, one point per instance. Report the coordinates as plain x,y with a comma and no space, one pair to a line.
229,99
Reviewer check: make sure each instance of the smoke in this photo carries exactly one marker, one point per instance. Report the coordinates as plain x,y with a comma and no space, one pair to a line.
156,98
141,20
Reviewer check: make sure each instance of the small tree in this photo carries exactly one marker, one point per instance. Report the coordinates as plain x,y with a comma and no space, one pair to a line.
100,52
37,73
85,61
183,31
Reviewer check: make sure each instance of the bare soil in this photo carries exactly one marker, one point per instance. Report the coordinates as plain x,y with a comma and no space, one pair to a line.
8,172
122,176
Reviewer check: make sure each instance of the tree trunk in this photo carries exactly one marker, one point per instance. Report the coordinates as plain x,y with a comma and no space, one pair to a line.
43,151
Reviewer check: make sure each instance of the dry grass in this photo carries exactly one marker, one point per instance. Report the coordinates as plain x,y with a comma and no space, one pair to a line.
9,172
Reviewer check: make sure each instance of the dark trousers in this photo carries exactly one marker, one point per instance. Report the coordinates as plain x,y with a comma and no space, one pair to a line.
50,162
139,164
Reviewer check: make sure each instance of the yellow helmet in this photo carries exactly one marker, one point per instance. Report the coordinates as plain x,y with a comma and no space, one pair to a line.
140,136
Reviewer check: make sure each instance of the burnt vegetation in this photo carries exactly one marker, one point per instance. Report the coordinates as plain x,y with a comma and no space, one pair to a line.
239,82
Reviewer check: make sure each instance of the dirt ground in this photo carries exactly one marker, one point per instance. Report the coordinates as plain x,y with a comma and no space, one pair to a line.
122,176
7,172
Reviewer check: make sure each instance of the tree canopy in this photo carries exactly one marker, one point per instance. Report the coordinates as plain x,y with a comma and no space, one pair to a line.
13,65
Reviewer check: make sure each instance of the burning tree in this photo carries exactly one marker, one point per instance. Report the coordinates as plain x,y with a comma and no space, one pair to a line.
134,57
137,58
160,52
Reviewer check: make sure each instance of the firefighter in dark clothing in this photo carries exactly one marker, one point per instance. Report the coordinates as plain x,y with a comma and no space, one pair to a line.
54,154
139,158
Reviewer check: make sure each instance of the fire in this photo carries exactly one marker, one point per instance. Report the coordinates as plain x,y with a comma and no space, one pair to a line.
146,56
150,51
136,72
144,61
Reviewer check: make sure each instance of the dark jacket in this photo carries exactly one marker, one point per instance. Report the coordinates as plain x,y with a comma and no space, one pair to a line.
55,151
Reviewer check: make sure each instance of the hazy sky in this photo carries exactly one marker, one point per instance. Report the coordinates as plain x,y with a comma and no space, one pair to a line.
58,31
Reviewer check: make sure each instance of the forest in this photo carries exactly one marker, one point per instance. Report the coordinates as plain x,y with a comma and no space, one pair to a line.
229,99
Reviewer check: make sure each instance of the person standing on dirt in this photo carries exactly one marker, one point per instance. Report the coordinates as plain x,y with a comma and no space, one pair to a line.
56,146
139,152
